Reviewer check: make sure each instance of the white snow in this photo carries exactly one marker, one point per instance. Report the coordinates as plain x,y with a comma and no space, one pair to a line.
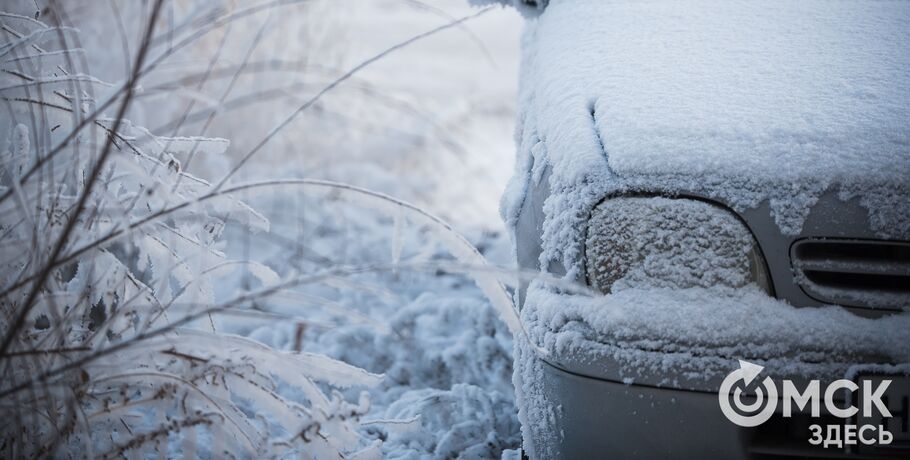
659,242
702,329
744,102
430,123
445,354
690,339
427,347
447,364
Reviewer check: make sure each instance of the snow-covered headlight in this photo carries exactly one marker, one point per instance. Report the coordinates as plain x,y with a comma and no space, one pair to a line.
673,243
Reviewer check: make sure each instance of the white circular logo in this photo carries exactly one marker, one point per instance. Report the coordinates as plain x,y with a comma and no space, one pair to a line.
747,415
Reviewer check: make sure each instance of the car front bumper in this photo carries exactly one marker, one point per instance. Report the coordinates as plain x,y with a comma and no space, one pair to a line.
596,394
594,418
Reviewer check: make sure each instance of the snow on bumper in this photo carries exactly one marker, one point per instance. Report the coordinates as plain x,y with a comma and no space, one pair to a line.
691,338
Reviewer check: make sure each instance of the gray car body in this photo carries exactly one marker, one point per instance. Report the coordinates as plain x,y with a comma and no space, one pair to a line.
601,416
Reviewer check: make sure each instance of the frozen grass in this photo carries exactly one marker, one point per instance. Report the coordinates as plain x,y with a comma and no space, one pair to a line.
124,275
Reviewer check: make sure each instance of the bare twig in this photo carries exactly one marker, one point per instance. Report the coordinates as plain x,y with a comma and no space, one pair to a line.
19,320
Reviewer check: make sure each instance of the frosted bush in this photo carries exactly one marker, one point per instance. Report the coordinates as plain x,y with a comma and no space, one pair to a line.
111,253
128,264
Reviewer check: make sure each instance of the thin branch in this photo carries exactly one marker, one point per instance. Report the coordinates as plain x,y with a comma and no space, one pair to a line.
19,320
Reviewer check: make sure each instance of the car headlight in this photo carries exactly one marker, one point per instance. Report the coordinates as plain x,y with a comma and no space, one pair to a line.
672,243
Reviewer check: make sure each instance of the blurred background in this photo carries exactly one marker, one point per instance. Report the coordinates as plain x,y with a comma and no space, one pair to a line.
430,123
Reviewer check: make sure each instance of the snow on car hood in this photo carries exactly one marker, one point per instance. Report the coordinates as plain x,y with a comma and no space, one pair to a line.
739,101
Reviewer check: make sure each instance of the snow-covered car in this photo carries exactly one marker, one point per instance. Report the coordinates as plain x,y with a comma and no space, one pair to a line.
733,180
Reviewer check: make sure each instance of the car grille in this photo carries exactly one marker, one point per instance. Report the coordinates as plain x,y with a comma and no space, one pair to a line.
855,273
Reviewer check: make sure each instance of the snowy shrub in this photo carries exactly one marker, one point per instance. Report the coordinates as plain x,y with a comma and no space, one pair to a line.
139,313
110,253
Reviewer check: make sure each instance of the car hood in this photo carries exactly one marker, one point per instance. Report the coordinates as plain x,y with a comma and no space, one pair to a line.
793,90
744,102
